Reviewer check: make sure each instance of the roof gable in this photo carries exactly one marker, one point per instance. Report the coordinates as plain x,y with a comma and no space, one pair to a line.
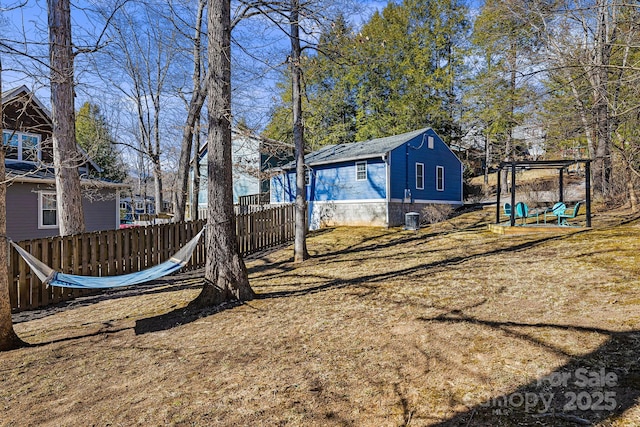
22,94
357,150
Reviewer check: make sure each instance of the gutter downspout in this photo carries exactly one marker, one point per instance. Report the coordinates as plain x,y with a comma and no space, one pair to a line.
386,157
117,210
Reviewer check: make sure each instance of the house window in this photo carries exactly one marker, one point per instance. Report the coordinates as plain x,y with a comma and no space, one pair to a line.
307,177
48,212
361,171
430,142
440,178
21,146
419,176
140,206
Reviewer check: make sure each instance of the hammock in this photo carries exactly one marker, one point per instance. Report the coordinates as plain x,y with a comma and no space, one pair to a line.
49,276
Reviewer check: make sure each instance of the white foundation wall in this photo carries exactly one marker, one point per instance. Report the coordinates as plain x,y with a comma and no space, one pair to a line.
351,212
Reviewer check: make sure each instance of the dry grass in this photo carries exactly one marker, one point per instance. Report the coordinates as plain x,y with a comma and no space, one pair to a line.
380,328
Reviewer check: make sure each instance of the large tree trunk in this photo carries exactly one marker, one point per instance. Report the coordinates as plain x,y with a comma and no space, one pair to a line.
300,242
8,338
65,155
225,273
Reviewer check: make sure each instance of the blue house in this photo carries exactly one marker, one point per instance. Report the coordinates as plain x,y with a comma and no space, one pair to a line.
374,182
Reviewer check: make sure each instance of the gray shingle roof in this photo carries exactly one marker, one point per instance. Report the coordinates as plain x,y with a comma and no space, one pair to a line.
356,150
29,172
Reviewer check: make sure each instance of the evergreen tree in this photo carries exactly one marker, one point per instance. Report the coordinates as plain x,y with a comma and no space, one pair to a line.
330,94
94,136
409,63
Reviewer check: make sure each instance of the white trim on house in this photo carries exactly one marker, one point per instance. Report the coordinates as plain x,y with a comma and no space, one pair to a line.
421,186
440,168
343,202
387,171
41,224
83,182
364,162
441,202
20,136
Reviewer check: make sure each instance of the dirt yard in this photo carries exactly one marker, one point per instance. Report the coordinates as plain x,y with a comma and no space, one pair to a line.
453,326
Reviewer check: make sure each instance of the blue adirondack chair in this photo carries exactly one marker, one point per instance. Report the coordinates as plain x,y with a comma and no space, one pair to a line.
522,211
506,209
563,217
557,210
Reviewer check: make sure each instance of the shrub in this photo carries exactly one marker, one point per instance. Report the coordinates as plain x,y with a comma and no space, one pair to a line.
434,213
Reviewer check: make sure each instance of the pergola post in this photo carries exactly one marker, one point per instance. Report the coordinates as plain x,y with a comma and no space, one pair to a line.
561,185
498,197
513,193
587,190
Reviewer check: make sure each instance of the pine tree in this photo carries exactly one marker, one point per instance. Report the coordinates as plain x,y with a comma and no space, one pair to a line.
94,136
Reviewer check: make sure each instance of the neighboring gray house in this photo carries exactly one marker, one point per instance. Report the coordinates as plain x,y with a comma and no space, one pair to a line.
31,195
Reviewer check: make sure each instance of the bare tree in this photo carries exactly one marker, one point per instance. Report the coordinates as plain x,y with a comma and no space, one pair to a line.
193,116
225,273
144,49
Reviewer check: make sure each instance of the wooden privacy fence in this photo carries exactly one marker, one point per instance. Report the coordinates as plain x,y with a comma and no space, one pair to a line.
115,252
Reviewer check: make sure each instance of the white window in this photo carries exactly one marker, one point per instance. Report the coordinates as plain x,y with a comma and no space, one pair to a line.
140,206
307,176
361,171
48,210
21,146
419,176
440,178
430,142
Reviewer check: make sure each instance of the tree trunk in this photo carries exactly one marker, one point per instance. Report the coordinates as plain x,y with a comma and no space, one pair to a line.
599,81
633,196
300,243
487,158
195,208
65,155
193,116
225,273
157,182
8,338
195,107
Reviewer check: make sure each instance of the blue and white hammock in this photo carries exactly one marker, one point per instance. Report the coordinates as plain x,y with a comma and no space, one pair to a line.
49,276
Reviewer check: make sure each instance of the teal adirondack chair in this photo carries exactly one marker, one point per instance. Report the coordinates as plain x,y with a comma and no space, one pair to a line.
522,211
563,217
506,209
557,210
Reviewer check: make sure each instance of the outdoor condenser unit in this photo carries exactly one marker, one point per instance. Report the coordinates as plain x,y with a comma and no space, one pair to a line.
412,221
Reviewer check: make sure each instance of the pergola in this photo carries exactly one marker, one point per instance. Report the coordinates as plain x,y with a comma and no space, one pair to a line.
560,165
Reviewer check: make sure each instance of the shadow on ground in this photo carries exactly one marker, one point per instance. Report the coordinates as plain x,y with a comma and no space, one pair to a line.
588,390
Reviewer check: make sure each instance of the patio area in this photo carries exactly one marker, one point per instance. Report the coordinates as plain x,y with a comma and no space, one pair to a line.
558,217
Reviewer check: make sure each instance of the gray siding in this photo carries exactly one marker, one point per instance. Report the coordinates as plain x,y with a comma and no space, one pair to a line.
100,211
